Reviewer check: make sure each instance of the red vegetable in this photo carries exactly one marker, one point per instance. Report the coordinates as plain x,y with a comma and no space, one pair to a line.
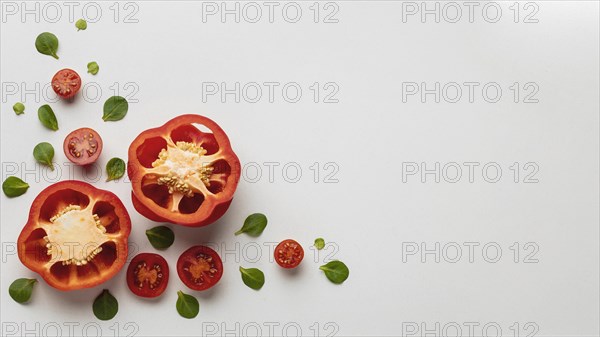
148,275
181,174
83,146
199,268
76,235
66,83
289,254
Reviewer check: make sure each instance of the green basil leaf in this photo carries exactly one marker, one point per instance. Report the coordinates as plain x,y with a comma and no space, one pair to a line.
47,117
93,68
105,306
187,305
44,153
254,225
19,108
160,237
253,277
47,44
319,243
115,169
81,24
20,290
336,271
115,108
14,187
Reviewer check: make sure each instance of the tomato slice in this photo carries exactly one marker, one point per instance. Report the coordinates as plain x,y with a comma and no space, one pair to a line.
83,146
76,235
66,83
289,254
148,275
183,172
199,268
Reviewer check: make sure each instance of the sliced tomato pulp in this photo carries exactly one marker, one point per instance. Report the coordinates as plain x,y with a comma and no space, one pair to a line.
148,275
183,172
76,235
66,83
200,268
83,146
289,254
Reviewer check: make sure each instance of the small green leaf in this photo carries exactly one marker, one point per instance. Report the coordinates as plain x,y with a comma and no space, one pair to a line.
93,68
319,243
115,169
105,306
254,225
253,277
81,24
44,153
115,108
19,108
160,237
47,44
336,271
14,187
47,117
187,305
20,290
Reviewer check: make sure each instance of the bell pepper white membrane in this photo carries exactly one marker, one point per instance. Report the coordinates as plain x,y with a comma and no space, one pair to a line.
74,236
184,168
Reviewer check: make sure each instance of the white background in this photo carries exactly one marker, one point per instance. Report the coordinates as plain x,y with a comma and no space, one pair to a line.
370,214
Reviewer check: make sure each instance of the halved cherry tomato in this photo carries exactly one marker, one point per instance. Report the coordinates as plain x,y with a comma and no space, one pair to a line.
289,254
66,83
181,174
199,268
76,235
83,146
148,275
